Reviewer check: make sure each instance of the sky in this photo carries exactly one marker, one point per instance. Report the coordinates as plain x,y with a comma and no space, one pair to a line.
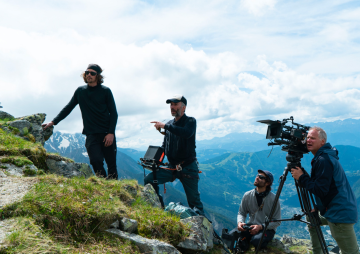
236,62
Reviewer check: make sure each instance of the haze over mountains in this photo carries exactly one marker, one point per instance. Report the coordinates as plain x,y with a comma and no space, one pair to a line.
229,166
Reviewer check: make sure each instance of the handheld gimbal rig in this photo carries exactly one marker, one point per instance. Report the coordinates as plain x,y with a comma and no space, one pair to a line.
293,141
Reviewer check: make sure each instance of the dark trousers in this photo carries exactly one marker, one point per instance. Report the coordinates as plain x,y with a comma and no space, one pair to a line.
189,177
98,152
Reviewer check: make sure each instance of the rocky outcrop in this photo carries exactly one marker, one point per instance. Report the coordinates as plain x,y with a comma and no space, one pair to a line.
150,196
35,129
4,115
27,127
201,237
67,168
145,245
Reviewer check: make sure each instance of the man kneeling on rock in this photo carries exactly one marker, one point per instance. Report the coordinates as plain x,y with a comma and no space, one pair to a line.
258,203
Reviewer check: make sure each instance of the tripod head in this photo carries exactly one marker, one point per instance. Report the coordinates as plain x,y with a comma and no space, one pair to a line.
294,159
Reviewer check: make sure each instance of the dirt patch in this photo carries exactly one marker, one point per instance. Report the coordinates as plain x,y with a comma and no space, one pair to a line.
13,189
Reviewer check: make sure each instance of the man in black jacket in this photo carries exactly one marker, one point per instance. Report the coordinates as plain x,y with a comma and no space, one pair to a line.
99,115
179,146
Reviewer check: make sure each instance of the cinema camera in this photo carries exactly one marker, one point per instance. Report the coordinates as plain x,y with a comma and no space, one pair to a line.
293,140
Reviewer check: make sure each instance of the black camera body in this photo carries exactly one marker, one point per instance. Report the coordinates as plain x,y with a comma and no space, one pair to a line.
291,138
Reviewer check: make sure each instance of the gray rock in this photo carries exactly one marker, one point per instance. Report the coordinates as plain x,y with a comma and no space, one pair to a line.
21,125
150,196
145,245
128,225
278,244
116,225
201,238
4,115
37,131
292,241
2,174
69,169
17,171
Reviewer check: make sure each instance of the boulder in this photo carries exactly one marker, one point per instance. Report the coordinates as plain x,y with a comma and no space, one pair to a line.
68,169
145,245
201,238
128,225
4,115
150,196
37,131
21,125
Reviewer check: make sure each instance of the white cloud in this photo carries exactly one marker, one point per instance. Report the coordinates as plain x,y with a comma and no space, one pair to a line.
233,67
257,7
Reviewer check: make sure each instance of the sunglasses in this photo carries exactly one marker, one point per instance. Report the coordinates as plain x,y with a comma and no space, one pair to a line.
92,73
261,177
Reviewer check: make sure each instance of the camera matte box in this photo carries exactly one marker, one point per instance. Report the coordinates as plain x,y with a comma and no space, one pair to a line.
154,153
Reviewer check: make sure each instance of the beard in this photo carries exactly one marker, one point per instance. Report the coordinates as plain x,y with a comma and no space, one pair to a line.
260,184
176,113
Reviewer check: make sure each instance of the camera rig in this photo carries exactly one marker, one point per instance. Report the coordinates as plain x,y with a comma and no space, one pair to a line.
293,140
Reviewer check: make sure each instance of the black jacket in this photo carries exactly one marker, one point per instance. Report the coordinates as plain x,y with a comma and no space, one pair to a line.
97,107
179,140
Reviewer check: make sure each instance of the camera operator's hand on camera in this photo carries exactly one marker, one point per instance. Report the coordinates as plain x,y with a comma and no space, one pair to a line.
255,229
158,125
296,173
47,125
109,139
240,226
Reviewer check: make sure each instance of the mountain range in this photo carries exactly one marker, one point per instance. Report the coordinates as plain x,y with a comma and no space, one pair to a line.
229,171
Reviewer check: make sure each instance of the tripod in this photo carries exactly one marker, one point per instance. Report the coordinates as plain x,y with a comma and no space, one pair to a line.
306,200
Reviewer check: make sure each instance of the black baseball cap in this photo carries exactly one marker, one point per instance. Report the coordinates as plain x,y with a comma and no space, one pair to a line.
268,174
177,98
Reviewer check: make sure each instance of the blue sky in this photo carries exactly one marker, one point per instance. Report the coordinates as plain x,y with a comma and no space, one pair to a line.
235,61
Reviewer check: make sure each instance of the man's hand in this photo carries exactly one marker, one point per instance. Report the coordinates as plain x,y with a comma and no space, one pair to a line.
240,226
255,229
158,125
109,139
296,173
47,125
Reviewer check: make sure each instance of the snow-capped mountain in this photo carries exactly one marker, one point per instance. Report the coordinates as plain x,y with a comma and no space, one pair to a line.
73,146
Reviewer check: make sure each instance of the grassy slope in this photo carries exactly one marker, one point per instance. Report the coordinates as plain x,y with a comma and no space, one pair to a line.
71,214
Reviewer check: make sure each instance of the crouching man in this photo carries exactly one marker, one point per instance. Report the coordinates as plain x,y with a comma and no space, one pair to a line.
258,203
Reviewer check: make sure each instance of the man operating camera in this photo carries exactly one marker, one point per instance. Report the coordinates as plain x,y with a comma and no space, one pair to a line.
333,194
179,146
258,203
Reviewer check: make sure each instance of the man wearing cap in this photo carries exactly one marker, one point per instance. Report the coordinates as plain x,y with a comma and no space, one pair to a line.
258,203
179,147
99,116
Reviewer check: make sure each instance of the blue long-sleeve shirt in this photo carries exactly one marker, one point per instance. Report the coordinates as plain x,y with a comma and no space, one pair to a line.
179,140
333,194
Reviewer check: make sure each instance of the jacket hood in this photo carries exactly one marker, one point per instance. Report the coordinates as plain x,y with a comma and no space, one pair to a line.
328,149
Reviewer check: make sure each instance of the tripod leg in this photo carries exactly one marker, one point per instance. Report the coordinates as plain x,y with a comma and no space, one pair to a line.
313,220
273,208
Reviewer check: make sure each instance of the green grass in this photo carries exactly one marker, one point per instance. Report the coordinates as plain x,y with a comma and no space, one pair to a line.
79,210
27,237
18,161
11,145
